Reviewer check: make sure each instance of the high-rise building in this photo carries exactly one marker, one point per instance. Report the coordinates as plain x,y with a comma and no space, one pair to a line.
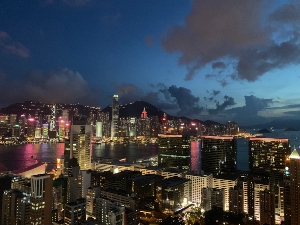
232,128
212,197
174,151
267,207
218,154
236,201
92,194
198,182
30,128
17,208
99,129
109,212
75,212
53,118
80,145
269,154
41,199
115,118
294,187
251,191
45,130
106,123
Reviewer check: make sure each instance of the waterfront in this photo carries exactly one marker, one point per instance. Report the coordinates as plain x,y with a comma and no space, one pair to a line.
16,157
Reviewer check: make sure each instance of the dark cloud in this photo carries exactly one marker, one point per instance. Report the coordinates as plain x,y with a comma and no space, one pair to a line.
128,93
186,101
214,92
228,101
177,100
223,83
9,46
288,13
210,75
255,62
211,98
216,30
218,65
249,114
61,86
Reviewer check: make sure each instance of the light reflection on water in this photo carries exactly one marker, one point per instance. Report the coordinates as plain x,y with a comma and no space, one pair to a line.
21,156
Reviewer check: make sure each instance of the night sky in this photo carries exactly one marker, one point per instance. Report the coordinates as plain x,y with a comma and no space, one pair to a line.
205,59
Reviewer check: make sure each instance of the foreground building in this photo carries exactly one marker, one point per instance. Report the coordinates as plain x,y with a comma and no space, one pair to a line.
80,145
218,154
174,151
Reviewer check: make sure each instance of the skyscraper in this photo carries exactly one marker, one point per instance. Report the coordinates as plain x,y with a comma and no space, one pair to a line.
269,154
80,145
41,199
115,118
218,154
53,118
174,151
294,188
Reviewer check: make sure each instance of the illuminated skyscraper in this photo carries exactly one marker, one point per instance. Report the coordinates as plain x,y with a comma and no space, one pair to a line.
174,151
41,199
115,118
294,188
218,154
53,118
80,145
269,155
99,129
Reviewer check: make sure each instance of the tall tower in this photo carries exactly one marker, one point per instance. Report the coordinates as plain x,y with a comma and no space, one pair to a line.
218,154
41,199
80,145
53,118
294,188
174,151
144,113
115,117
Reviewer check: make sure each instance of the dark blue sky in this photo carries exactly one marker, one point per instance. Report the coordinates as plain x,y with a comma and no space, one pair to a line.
205,59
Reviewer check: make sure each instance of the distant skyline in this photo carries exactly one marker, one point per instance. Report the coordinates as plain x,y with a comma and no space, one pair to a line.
203,59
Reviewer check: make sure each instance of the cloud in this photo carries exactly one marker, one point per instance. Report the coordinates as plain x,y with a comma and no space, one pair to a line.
249,114
9,46
128,93
59,86
238,32
228,101
214,92
254,62
186,101
218,65
175,100
288,13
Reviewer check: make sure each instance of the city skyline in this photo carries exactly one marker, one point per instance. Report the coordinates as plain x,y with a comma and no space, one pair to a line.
200,59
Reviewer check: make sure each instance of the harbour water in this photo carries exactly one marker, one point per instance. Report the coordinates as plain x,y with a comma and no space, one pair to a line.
16,157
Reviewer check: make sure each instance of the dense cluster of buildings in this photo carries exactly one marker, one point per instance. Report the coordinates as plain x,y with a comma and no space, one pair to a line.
202,173
38,122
